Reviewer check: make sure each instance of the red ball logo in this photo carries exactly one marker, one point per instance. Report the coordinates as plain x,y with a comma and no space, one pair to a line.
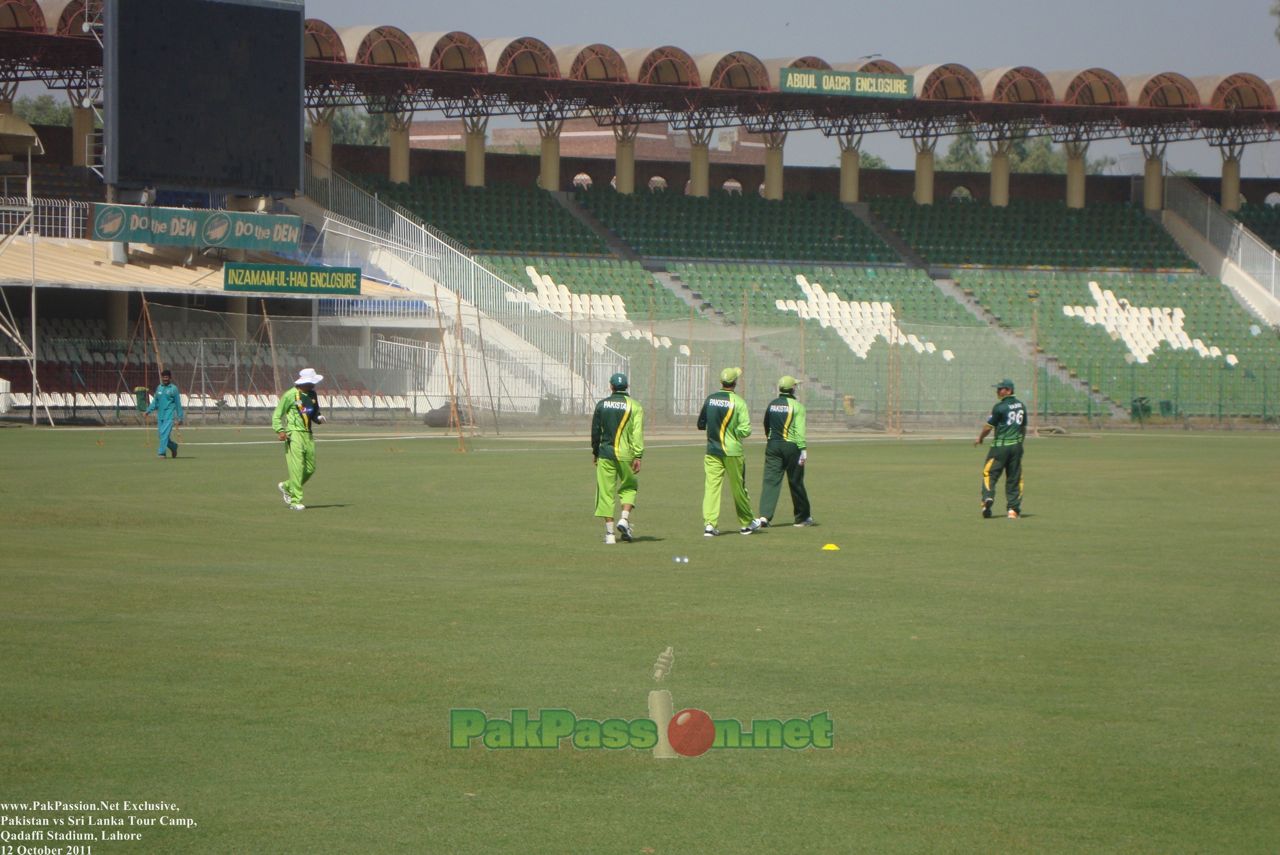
691,732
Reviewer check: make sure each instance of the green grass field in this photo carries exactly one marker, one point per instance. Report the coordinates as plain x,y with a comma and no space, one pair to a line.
1102,675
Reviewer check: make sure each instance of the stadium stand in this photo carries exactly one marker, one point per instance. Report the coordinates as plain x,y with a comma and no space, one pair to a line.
850,314
1030,233
497,218
671,225
1177,343
1263,221
626,280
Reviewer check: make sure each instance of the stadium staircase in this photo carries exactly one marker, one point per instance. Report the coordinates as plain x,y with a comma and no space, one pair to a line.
1225,247
863,212
616,245
1029,351
422,261
943,281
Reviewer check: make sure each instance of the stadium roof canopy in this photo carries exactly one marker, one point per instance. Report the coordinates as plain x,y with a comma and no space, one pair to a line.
388,70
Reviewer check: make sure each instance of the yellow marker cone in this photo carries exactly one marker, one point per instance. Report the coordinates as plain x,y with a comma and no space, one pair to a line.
830,547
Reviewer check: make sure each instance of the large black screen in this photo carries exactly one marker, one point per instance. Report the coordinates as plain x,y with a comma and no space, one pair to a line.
204,94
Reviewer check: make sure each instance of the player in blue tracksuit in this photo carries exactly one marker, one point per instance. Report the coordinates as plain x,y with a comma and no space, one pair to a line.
167,405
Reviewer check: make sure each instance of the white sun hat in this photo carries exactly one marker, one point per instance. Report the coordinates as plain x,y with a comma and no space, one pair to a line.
308,375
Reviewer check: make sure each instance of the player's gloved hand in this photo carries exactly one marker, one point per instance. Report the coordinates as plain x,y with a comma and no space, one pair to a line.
804,455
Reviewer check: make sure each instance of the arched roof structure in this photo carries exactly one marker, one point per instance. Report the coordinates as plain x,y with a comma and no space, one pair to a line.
947,81
1020,84
452,51
321,41
870,65
665,66
1089,87
65,17
22,15
592,62
383,46
733,70
521,57
385,67
1241,91
773,67
1167,89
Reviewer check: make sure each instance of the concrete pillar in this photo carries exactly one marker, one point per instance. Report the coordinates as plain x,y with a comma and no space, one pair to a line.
81,134
474,128
1075,172
850,167
700,162
238,317
1153,177
398,140
8,91
624,167
773,143
321,141
1231,178
549,165
924,169
1000,173
118,315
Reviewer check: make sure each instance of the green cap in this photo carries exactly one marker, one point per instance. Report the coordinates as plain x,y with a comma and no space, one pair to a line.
730,375
618,381
787,382
1006,383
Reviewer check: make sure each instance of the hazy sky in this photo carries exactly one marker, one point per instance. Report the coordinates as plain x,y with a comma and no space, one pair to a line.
1193,37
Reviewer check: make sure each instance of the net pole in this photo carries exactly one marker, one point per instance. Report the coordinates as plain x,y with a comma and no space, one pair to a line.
448,374
466,371
484,362
271,344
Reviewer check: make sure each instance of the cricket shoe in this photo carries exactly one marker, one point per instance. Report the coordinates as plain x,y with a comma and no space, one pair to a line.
986,508
710,531
284,493
761,522
750,528
610,540
296,506
624,530
174,452
1013,515
804,523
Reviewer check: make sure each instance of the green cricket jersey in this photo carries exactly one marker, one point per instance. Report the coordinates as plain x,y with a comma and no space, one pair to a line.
295,412
784,420
724,417
617,428
1009,418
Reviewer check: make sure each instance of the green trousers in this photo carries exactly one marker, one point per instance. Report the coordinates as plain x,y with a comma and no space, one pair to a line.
300,457
780,457
716,468
615,482
1006,460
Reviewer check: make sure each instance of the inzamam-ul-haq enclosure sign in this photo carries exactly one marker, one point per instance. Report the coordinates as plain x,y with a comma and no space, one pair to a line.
186,227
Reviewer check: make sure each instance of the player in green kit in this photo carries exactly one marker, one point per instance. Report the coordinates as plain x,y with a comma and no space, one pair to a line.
1009,420
786,452
617,444
724,417
298,410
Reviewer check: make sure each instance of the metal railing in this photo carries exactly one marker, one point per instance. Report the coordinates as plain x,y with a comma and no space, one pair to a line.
449,263
1225,233
56,218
